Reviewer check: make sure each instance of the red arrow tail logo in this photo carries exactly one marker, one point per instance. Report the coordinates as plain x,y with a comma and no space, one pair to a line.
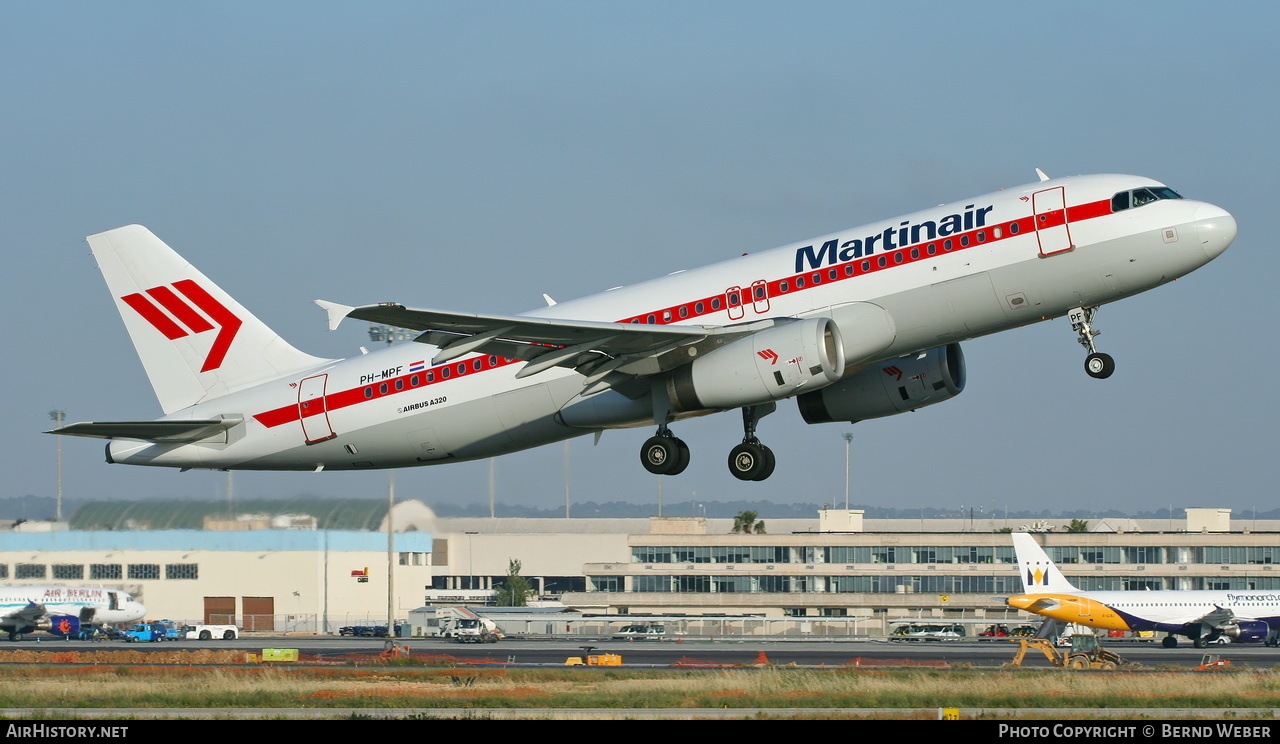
183,314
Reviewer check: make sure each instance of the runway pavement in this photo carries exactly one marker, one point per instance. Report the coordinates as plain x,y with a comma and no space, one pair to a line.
691,652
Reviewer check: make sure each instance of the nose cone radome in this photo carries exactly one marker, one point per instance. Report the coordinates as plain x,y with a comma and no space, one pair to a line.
1216,227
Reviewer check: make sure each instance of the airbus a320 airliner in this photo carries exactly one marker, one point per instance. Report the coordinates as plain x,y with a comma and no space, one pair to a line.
855,325
1203,615
62,609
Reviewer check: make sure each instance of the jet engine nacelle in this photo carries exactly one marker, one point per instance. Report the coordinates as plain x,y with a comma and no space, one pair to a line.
64,625
778,362
1248,631
895,386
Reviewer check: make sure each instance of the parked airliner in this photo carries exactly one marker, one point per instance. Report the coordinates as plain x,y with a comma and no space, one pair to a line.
63,608
855,325
1201,615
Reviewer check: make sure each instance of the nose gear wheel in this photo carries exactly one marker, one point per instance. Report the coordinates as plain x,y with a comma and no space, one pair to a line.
1097,365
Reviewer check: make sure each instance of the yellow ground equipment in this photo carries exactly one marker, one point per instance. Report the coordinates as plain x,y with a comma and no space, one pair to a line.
595,660
1086,653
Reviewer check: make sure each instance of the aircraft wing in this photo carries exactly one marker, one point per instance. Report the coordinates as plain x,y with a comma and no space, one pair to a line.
1218,617
192,430
32,614
594,348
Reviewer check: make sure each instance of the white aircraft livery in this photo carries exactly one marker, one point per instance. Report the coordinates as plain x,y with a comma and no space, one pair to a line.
1201,615
63,608
855,325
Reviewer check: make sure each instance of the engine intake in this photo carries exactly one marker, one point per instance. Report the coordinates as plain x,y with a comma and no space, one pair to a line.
778,362
895,386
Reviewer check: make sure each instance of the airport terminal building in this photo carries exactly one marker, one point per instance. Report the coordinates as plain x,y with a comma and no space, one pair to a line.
317,566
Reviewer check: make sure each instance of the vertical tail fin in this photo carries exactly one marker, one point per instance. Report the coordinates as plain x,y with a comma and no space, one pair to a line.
1039,574
194,340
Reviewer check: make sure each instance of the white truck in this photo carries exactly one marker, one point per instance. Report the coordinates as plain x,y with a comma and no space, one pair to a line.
209,632
476,630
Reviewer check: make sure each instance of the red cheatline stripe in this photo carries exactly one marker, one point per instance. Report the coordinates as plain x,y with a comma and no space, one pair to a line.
181,310
845,270
152,315
221,315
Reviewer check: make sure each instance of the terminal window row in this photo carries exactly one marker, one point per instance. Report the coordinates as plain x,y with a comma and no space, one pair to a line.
820,554
964,554
99,571
823,584
908,584
1258,555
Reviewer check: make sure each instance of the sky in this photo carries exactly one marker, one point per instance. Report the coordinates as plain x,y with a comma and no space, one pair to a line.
472,156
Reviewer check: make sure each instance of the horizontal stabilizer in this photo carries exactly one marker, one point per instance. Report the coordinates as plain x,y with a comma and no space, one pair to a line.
335,311
152,431
1045,604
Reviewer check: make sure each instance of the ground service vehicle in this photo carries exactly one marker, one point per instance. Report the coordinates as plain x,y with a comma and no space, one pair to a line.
641,632
594,660
145,632
1086,653
476,630
363,631
209,632
923,632
994,631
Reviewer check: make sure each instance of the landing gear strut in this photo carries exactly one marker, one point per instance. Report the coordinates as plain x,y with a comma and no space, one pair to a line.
1097,364
751,460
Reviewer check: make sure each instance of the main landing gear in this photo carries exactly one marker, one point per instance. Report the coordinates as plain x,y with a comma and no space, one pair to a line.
664,454
751,460
1097,364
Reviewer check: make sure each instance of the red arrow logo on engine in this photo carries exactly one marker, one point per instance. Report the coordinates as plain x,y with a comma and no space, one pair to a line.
769,354
894,372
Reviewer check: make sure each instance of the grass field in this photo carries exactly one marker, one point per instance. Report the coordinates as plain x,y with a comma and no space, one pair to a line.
392,686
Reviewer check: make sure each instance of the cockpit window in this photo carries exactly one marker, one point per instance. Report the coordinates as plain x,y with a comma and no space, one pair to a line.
1139,197
1142,196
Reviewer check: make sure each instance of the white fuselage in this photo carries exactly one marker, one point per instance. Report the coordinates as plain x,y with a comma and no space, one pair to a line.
944,274
106,605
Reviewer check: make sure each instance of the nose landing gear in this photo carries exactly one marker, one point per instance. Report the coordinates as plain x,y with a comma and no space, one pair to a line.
1098,364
